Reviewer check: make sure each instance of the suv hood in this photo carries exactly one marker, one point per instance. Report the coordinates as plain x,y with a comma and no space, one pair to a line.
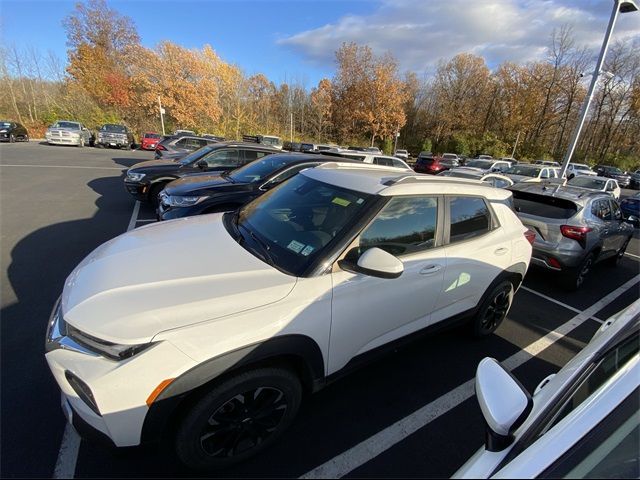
166,276
198,183
152,165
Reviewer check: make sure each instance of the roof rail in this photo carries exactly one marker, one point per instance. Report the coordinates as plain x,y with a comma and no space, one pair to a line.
418,178
357,166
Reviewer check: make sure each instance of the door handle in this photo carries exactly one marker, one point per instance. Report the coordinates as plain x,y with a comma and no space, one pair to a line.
501,251
430,269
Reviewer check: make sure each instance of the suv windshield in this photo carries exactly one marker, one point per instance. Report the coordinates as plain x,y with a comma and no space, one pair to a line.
293,224
587,182
70,125
195,155
256,171
525,170
113,128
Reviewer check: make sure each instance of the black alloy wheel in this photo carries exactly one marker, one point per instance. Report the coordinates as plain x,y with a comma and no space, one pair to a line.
575,279
238,418
494,309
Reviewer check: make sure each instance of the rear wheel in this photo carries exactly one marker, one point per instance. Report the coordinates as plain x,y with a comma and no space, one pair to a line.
493,309
574,279
12,138
238,418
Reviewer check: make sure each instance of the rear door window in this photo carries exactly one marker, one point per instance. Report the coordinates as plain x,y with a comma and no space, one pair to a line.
222,159
251,155
469,217
602,209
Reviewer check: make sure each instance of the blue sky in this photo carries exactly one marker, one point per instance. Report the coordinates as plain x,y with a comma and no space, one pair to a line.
296,40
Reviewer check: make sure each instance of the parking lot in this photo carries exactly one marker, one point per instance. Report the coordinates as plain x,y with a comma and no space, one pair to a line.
412,413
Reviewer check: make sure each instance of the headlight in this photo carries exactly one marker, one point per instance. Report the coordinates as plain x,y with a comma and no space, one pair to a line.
3,131
182,201
111,350
135,177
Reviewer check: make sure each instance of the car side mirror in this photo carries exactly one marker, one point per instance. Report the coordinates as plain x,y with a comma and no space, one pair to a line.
504,402
202,164
375,262
633,220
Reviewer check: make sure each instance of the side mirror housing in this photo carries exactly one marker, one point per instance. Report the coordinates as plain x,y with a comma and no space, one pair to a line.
202,164
504,402
375,262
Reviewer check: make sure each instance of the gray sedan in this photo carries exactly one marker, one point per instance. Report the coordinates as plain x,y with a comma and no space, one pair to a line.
175,147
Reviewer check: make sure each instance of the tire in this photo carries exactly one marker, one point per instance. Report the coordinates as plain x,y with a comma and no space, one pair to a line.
574,279
12,138
615,260
238,418
494,309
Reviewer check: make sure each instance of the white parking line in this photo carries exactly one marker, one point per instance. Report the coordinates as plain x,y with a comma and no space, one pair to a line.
70,445
390,436
64,166
557,302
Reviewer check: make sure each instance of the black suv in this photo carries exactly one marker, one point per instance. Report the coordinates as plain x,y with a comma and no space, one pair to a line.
197,194
12,131
113,135
613,172
145,180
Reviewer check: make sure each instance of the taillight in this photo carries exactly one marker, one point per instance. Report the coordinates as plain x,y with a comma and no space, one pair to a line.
530,235
576,233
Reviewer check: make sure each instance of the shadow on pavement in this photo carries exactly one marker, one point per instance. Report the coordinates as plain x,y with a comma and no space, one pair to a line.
32,422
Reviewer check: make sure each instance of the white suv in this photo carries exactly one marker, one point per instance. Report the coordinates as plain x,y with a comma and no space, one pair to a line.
247,310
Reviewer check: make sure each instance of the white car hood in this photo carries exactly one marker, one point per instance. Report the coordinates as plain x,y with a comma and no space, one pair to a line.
166,276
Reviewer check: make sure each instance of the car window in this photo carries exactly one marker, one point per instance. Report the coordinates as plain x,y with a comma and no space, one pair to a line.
469,217
290,172
222,158
181,143
383,161
399,164
610,187
617,213
405,225
613,361
602,209
609,450
251,155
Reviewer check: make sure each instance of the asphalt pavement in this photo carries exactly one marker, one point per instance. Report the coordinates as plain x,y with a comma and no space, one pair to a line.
411,413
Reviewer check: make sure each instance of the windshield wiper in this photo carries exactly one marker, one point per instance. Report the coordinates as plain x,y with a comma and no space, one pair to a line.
264,246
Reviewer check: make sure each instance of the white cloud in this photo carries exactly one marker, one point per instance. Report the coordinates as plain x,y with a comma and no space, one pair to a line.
419,34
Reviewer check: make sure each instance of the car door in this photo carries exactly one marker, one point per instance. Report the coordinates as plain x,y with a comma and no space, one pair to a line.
477,251
222,160
367,311
607,227
617,231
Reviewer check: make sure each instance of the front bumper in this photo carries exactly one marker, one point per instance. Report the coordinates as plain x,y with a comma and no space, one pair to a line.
63,140
139,190
120,388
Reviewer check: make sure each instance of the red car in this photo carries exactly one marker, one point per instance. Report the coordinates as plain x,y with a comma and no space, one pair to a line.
150,141
433,164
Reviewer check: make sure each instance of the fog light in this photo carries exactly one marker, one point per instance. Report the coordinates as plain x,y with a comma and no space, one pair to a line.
83,391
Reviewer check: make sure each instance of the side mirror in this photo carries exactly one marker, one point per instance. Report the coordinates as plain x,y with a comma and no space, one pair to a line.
375,262
202,164
504,402
633,220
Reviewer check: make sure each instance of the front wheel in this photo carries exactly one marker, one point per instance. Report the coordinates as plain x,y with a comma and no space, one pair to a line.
81,142
493,309
238,418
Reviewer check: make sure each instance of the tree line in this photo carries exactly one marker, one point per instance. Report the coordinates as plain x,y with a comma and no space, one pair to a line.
528,110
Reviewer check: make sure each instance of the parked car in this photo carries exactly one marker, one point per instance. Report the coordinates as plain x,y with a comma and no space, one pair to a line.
268,140
145,180
613,172
630,207
367,157
581,422
487,165
402,154
112,135
223,321
180,133
574,169
211,136
175,147
292,146
150,141
64,132
12,132
434,164
199,194
494,179
365,149
532,173
575,229
548,163
451,156
599,184
634,179
511,160
483,157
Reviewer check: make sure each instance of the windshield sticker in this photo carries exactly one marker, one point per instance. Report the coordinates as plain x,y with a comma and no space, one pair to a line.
341,201
295,246
307,250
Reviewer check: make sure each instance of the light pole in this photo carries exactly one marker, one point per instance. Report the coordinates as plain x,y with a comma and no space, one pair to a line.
619,6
